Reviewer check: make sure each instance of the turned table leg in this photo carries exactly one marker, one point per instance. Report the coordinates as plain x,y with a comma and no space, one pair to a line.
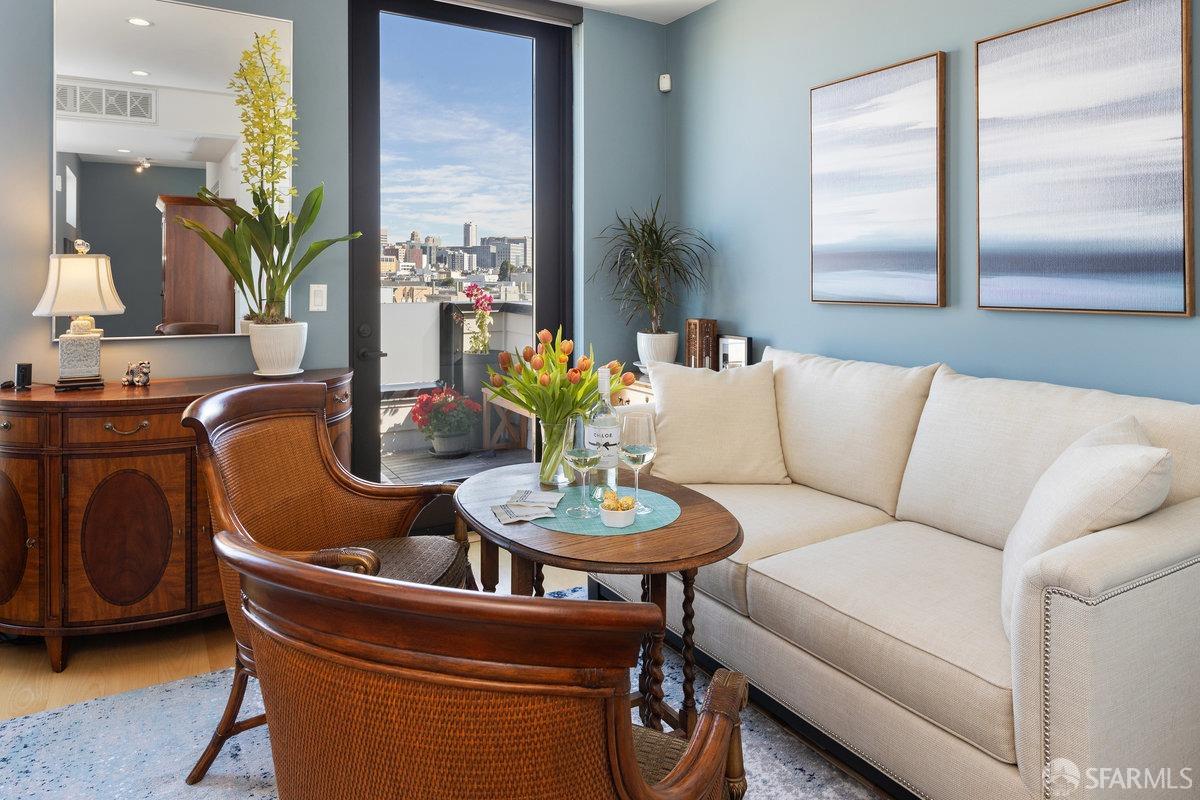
522,576
687,714
539,580
489,564
56,648
644,659
654,715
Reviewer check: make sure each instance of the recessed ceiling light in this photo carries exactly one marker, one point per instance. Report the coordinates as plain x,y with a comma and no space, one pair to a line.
122,149
139,22
139,73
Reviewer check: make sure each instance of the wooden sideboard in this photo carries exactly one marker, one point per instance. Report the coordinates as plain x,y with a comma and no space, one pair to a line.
103,524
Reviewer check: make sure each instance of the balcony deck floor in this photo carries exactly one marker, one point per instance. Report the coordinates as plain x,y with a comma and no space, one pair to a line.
418,466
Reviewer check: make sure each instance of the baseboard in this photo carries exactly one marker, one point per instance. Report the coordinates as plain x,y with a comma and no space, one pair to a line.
834,752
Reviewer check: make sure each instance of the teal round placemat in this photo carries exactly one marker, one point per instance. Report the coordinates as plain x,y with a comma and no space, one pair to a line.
663,511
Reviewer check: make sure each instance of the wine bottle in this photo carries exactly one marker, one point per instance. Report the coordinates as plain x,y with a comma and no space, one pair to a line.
603,432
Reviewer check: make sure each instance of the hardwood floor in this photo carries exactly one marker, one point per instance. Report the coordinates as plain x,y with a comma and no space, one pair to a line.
104,665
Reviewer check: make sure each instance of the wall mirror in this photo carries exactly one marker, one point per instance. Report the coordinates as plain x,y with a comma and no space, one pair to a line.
144,117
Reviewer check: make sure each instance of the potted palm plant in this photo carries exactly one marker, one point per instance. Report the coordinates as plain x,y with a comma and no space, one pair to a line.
651,260
261,249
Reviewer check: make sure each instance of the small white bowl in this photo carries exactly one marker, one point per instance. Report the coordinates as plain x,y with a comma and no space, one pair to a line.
617,519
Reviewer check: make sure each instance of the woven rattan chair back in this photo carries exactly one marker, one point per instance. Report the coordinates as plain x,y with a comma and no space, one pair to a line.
379,689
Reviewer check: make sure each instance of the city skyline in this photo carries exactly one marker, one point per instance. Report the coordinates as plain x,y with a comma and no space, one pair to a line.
456,135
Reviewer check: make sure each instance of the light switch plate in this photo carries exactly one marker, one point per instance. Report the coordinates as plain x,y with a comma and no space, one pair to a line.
318,297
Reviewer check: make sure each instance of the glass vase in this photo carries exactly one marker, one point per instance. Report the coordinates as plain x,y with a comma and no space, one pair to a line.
552,470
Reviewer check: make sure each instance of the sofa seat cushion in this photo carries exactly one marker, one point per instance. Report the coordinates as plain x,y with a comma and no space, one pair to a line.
775,519
847,426
908,610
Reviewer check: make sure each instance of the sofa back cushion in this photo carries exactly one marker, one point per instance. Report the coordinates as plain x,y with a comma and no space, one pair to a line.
847,426
716,427
982,444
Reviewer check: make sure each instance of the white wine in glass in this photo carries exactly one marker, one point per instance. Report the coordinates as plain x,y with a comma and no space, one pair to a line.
638,446
584,459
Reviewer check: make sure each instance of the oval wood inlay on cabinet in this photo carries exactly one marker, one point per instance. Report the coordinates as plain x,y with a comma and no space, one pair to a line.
125,540
14,530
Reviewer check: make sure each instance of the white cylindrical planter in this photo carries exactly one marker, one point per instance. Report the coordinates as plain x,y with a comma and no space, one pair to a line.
278,349
657,346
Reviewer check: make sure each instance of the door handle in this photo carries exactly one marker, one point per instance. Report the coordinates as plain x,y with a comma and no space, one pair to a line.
366,353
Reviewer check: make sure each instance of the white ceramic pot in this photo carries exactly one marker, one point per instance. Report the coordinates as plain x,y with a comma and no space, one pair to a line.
450,443
657,346
278,349
617,519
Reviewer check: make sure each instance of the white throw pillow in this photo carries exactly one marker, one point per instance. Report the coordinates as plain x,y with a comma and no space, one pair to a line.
717,427
1109,476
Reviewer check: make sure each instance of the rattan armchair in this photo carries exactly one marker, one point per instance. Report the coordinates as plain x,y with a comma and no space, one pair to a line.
377,689
271,474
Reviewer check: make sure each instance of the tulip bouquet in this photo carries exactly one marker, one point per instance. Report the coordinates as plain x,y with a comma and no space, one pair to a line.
542,381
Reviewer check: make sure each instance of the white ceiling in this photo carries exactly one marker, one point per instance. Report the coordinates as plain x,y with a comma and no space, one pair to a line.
187,47
191,48
660,11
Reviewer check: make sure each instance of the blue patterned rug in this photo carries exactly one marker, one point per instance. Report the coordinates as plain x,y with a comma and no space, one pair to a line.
140,745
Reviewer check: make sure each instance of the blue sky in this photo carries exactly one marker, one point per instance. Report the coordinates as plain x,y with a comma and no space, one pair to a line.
456,130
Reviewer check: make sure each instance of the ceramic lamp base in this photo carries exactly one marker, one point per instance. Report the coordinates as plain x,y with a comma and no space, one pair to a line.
79,356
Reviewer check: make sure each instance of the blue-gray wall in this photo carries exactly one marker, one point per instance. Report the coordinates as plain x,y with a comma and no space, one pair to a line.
118,217
620,159
737,145
320,77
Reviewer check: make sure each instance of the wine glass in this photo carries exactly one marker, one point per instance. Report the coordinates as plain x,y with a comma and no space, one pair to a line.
583,458
637,449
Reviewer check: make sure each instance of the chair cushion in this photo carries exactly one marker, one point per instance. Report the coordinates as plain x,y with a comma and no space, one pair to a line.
659,752
847,426
716,427
429,560
983,443
910,611
775,519
1108,477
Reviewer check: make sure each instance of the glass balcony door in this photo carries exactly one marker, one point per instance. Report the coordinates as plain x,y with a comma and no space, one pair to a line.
461,186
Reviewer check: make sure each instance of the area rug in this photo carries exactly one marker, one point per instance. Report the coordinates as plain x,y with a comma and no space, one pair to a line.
140,745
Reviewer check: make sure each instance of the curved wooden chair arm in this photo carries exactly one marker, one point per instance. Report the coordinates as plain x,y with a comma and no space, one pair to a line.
359,559
715,750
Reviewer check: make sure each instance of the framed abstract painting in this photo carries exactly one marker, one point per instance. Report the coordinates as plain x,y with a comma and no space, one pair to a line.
877,214
1084,162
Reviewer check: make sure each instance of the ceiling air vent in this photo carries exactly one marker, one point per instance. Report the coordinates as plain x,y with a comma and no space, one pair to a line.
105,101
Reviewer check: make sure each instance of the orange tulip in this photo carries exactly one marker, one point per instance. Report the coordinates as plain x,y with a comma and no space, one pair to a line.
505,359
527,353
497,380
627,379
520,367
562,358
567,347
573,375
537,362
585,364
541,347
613,367
544,379
545,336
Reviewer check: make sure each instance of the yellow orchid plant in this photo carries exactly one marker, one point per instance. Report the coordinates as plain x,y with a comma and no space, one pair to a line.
261,233
542,381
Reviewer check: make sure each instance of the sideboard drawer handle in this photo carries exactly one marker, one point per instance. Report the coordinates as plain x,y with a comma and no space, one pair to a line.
5,426
343,398
30,543
141,426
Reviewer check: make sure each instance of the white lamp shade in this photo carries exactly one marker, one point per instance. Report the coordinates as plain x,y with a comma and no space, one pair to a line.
79,284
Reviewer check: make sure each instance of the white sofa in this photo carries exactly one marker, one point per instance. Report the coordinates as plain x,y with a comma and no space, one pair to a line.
866,595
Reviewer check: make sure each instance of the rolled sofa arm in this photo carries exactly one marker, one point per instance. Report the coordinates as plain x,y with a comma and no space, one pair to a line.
1106,643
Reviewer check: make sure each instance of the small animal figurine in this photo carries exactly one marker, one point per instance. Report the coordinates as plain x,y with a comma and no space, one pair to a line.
137,374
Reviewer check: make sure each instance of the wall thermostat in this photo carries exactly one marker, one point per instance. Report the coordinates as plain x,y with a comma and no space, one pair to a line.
664,83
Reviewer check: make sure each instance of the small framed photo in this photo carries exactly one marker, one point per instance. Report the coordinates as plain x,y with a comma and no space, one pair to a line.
735,351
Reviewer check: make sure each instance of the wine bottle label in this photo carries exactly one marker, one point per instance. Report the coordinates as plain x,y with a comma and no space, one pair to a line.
606,440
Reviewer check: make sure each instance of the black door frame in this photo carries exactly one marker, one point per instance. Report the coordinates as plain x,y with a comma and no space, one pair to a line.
552,189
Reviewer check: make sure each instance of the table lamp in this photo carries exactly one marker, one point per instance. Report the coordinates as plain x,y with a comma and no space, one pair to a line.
79,286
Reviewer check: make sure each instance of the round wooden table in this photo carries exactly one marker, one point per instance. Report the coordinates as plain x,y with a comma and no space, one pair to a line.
704,533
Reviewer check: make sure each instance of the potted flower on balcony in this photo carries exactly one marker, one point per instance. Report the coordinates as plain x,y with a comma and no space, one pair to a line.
446,418
651,260
261,247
